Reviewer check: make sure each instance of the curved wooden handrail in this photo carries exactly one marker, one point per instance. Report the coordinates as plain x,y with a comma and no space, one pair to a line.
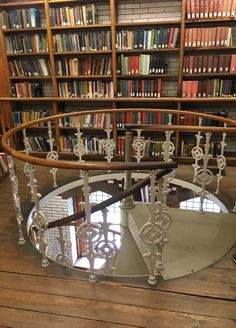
113,165
108,202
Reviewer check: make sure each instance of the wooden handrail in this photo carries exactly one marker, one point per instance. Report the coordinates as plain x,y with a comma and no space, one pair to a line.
110,201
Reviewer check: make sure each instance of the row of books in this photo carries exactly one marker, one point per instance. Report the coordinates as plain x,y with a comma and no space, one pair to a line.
209,88
85,121
194,120
83,66
123,118
139,88
21,117
38,143
93,145
91,41
209,64
151,147
165,37
3,163
20,18
208,9
208,37
30,67
73,16
36,43
86,89
186,148
26,89
141,64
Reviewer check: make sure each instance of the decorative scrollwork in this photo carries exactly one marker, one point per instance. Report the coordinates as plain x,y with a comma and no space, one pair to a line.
89,233
138,145
52,154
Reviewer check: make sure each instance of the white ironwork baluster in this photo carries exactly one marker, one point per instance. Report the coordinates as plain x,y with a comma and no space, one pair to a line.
106,248
139,118
89,233
204,175
52,154
26,166
39,220
221,161
16,198
108,144
138,145
153,232
62,257
168,151
197,152
80,149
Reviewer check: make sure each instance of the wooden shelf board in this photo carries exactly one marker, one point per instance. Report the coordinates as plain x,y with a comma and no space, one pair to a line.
25,54
84,27
212,49
207,75
74,53
148,76
26,29
174,50
211,21
141,24
85,77
21,3
30,77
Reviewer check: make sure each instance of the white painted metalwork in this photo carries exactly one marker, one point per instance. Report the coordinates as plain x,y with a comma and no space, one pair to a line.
108,144
16,198
153,232
52,154
197,152
79,149
62,257
89,233
168,146
221,161
204,175
27,165
106,248
139,118
138,145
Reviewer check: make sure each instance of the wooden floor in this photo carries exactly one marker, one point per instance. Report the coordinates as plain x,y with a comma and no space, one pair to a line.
32,296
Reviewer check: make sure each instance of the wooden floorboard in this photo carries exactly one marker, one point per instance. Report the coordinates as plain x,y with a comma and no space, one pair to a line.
56,296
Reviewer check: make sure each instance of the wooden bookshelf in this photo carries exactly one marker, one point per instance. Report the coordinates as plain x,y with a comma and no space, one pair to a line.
112,24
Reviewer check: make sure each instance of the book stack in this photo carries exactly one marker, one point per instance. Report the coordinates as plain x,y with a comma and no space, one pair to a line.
73,16
26,90
93,145
20,18
86,89
91,41
21,117
141,64
209,64
147,39
208,9
208,37
140,88
36,43
29,67
140,118
85,121
83,66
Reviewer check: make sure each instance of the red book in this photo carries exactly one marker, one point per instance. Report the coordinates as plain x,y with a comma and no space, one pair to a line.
233,64
170,41
218,36
204,64
210,64
186,38
189,89
221,63
233,8
229,6
199,35
224,8
211,8
215,63
206,9
159,87
193,9
190,36
202,38
188,9
184,89
200,63
191,64
201,8
210,34
194,37
208,88
215,8
185,64
206,37
195,64
227,61
197,9
213,40
220,8
194,91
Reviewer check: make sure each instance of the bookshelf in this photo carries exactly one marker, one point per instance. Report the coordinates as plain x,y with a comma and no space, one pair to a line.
85,55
